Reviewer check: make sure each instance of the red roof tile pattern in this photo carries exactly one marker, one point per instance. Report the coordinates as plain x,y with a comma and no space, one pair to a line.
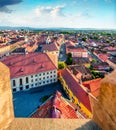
75,87
27,64
103,57
93,86
50,47
55,107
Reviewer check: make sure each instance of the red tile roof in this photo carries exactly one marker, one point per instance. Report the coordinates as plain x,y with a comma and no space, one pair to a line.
27,64
103,57
50,47
76,88
55,107
93,86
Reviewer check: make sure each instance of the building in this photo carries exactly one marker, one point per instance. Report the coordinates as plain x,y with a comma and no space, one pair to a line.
76,51
56,107
93,86
30,70
53,48
76,91
81,72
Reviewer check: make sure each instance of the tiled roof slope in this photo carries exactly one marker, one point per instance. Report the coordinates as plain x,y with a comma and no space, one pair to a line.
75,87
55,107
50,47
93,86
27,64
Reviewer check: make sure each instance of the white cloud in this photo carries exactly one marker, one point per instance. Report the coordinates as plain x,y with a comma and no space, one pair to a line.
49,11
84,14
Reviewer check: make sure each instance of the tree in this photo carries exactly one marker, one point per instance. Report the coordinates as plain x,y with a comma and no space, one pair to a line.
69,59
61,65
84,39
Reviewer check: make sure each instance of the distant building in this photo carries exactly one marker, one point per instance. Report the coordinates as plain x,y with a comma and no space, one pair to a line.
30,70
56,107
76,51
53,48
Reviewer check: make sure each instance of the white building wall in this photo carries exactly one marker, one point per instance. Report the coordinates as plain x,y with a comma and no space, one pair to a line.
35,80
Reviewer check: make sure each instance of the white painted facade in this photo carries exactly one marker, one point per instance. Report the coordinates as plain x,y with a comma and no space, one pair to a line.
79,54
34,80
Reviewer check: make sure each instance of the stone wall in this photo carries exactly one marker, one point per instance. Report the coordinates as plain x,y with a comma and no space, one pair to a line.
104,109
6,106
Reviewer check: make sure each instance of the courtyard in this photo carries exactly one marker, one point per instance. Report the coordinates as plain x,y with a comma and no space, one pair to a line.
26,102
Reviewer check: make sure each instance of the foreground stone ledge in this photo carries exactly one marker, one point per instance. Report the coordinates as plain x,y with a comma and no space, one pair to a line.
52,124
6,105
104,109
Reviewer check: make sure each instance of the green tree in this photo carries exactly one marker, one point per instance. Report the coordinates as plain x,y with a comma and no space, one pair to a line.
61,65
69,59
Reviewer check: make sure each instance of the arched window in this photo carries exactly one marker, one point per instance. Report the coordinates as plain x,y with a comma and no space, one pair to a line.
14,83
27,80
21,82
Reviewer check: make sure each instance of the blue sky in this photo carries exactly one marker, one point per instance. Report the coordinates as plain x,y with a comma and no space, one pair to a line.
59,13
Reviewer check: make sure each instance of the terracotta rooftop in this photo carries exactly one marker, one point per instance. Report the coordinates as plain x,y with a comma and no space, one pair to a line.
27,64
93,86
55,107
50,47
103,57
75,87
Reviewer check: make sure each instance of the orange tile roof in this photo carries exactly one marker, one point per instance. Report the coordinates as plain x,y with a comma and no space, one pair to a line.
55,107
93,86
50,47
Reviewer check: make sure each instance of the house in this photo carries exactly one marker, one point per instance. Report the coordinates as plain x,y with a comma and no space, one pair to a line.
93,86
76,92
81,72
53,48
56,107
81,61
100,66
30,70
75,50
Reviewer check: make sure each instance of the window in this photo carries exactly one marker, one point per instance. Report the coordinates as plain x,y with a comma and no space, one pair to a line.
31,76
14,83
39,74
39,83
47,81
20,82
51,76
43,73
51,80
27,87
27,80
14,89
35,79
43,82
32,80
36,75
47,72
54,80
39,78
43,77
54,71
51,72
73,100
47,77
21,88
36,84
31,85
